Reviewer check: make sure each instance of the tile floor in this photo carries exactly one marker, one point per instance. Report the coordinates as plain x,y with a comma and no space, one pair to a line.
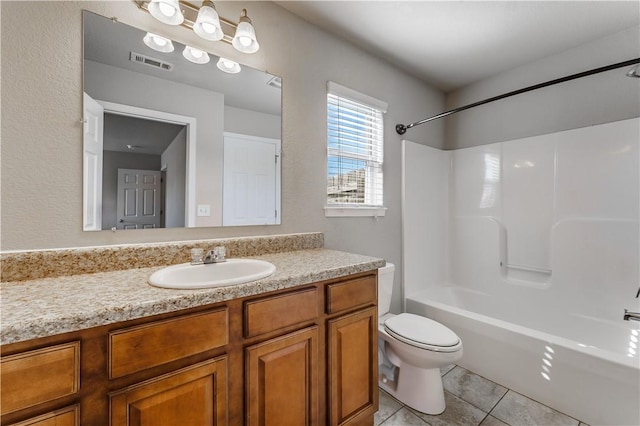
473,400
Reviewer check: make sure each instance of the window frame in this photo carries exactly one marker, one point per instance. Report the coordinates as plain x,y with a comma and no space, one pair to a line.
353,209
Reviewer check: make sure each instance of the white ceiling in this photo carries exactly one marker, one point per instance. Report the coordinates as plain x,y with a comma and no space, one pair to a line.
450,44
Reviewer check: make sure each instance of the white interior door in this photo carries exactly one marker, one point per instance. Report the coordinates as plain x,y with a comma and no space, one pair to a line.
139,196
251,187
92,164
166,117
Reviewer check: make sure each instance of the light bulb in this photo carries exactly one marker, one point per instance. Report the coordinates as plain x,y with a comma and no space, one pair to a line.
245,40
228,66
167,10
208,28
196,56
160,41
207,25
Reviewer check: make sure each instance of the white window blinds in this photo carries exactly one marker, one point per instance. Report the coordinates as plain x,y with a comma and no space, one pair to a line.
355,145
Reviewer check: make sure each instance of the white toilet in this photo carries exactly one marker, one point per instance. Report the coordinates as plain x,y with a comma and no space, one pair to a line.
411,351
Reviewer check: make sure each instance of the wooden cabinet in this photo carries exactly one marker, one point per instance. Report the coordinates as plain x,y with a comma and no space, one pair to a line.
353,367
282,380
352,351
351,294
164,341
300,356
36,377
273,313
193,396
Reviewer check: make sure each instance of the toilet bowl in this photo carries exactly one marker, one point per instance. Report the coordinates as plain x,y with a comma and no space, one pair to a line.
412,349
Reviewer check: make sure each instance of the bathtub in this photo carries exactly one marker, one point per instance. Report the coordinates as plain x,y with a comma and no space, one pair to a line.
583,366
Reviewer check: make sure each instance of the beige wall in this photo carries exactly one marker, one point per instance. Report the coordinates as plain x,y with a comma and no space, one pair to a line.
41,111
41,151
597,99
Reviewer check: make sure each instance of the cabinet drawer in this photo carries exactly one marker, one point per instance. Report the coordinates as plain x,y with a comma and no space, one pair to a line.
350,294
138,348
38,376
273,313
69,416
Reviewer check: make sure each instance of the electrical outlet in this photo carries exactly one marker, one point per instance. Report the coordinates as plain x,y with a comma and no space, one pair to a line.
204,210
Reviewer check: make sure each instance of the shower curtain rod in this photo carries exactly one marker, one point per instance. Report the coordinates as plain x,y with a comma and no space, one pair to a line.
401,128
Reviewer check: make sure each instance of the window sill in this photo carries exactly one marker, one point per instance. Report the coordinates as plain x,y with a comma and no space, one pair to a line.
354,211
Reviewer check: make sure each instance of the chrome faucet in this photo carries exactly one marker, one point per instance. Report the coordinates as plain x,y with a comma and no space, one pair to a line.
217,255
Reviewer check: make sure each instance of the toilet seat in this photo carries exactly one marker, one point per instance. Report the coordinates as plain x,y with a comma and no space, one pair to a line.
422,332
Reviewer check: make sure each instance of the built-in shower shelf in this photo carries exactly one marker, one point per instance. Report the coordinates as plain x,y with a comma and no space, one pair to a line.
525,275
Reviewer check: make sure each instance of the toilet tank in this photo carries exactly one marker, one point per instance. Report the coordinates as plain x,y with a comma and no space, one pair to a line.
385,287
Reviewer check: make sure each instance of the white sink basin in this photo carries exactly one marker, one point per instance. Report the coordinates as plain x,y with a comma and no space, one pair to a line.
233,271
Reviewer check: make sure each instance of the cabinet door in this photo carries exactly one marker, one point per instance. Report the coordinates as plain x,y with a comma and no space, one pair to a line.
353,367
195,395
282,380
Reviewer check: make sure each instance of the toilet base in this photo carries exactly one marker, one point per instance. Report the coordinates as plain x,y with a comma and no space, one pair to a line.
418,388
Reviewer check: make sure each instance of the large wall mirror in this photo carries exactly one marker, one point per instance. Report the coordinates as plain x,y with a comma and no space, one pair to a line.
171,143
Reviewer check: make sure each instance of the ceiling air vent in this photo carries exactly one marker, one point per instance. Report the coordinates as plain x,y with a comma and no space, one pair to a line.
152,62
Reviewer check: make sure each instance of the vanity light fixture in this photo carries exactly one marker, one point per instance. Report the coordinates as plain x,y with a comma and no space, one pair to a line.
245,38
228,66
167,11
205,22
194,55
158,43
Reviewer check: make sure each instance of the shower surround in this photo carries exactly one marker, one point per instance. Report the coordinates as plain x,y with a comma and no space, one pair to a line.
529,251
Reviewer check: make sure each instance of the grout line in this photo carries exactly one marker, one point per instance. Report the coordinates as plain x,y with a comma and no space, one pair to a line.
487,414
484,418
392,414
505,394
544,405
418,417
471,403
450,370
496,404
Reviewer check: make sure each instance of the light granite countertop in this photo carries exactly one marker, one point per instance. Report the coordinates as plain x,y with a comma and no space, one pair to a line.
50,306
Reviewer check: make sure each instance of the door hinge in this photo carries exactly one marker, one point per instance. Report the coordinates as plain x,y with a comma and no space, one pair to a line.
277,158
276,213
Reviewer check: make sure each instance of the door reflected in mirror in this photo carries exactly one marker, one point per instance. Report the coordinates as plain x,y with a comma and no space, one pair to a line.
170,143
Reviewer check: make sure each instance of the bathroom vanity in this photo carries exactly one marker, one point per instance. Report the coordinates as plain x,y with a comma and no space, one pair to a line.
297,348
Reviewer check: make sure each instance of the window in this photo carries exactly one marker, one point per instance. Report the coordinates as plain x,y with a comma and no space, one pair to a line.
355,145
